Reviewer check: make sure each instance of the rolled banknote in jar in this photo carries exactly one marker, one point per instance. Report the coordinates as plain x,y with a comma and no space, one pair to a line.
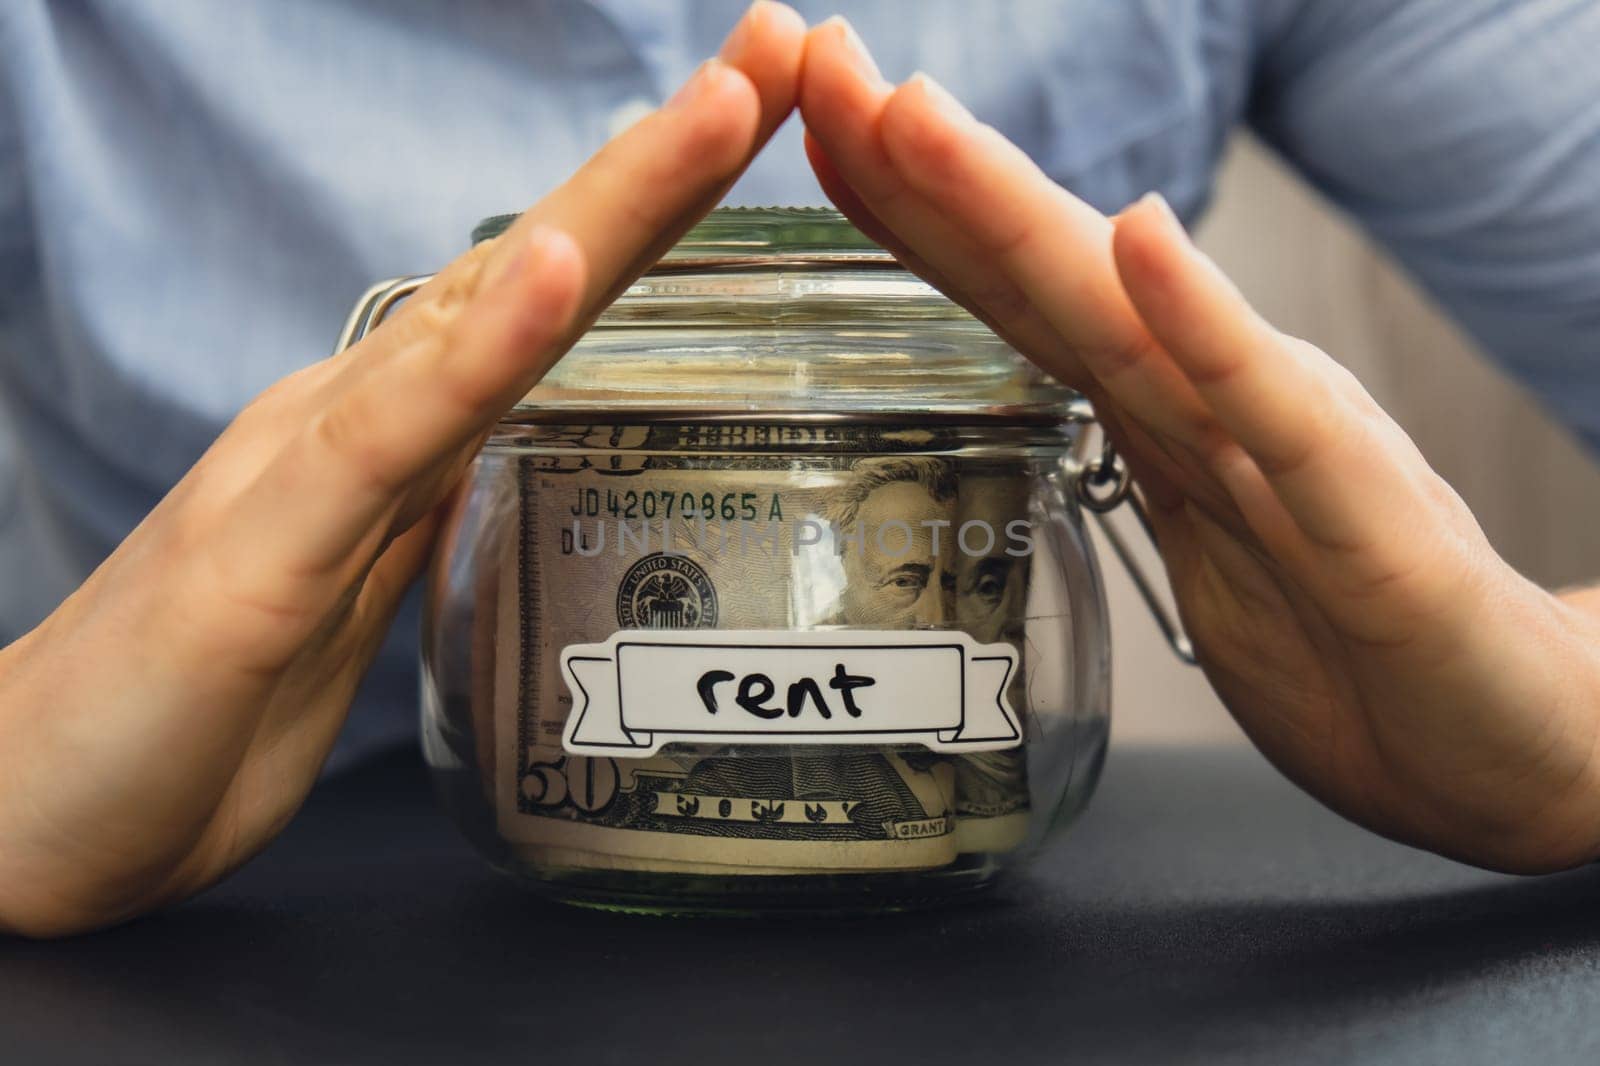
775,595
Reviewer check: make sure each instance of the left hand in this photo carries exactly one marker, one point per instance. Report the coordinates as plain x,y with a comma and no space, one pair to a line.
163,724
1342,599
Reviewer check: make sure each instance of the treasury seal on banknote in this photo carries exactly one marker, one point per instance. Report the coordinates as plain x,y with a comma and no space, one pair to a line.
664,591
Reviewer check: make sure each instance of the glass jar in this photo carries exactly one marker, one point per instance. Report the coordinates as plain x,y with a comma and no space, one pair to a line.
774,595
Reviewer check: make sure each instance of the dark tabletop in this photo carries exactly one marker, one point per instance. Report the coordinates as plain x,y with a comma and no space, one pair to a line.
1203,910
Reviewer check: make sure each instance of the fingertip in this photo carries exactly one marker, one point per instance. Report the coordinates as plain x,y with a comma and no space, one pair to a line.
553,276
1150,219
924,129
1182,295
1149,246
762,23
849,47
519,323
922,87
565,262
838,77
724,108
782,15
767,46
724,83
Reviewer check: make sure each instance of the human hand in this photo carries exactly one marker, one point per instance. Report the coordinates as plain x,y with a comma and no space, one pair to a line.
1342,598
163,724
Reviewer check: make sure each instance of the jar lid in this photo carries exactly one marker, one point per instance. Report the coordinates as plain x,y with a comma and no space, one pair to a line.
788,313
745,233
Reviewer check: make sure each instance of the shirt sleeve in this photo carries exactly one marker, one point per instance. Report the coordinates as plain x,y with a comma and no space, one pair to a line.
1464,135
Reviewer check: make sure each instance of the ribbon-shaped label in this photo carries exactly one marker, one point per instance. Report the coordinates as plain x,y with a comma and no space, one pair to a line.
645,688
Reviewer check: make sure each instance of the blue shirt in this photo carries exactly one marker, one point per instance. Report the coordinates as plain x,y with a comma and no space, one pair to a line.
192,194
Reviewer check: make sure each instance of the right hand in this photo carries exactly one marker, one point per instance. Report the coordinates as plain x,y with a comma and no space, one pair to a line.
1342,599
168,719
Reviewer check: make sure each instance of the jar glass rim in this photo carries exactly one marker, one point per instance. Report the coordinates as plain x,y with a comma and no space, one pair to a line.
734,234
790,309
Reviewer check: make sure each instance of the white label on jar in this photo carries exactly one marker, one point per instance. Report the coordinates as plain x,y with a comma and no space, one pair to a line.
644,688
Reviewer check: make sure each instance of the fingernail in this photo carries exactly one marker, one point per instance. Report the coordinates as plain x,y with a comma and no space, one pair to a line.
693,87
946,104
518,257
734,45
856,49
1154,201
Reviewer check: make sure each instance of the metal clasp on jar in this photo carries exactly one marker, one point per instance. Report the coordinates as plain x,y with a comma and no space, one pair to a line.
374,304
1103,485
